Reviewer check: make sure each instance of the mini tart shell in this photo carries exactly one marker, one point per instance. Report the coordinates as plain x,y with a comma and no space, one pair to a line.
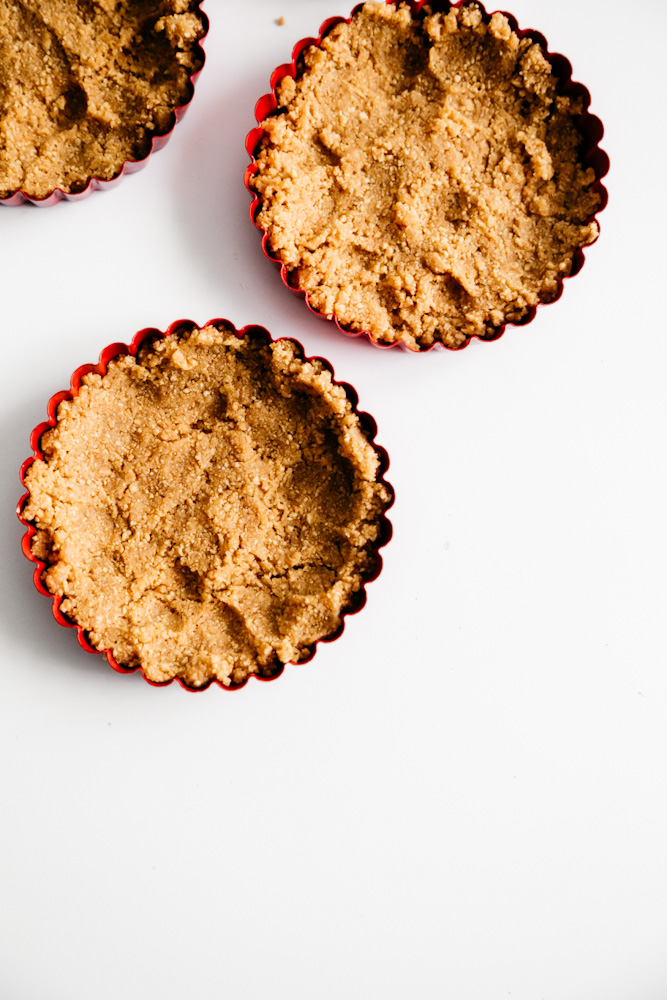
116,350
158,141
592,156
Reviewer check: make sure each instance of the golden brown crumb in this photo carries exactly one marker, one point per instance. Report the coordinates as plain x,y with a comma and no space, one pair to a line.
85,84
421,180
280,21
209,509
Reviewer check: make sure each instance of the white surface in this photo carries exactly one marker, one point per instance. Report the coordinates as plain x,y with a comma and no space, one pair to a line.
466,796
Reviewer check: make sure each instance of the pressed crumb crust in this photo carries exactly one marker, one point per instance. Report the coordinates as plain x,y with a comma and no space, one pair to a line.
421,179
208,509
86,84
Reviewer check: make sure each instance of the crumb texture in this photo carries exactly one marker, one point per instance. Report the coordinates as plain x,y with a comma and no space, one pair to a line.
208,509
86,84
422,177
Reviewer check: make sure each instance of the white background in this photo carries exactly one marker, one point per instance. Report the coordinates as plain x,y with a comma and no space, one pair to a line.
465,797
